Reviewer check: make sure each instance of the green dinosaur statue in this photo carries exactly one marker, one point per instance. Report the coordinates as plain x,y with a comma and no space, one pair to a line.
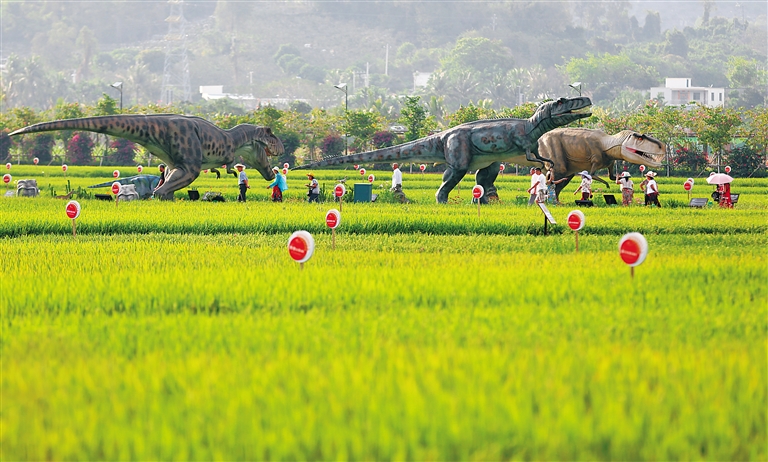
187,144
574,150
144,184
481,145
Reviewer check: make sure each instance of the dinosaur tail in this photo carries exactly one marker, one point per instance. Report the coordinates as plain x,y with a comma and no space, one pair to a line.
118,125
426,150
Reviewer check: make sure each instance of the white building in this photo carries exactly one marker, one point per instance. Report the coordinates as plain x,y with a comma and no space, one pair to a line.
678,91
250,102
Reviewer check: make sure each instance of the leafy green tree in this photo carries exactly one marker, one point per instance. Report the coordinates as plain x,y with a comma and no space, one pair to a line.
414,117
106,105
362,125
605,75
469,113
40,146
715,126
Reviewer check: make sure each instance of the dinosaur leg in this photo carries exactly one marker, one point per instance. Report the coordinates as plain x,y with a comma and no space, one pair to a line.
533,156
457,157
217,172
186,168
486,177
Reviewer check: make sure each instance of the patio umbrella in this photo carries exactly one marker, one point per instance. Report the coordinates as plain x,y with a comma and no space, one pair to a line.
719,178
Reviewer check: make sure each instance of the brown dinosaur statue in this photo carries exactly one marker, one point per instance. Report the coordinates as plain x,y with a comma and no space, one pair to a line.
573,150
187,144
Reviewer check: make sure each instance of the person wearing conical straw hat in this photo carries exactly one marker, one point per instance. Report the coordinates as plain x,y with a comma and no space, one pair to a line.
586,186
314,188
651,190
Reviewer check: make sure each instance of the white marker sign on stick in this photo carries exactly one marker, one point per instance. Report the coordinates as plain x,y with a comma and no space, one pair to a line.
301,246
633,248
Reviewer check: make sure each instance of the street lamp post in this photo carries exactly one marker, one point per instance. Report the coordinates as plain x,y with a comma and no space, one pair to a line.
119,87
343,87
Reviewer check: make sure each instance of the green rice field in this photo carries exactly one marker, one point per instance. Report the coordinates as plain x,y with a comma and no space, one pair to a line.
183,331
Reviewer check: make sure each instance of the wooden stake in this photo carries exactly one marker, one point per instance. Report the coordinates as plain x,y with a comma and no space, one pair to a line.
333,238
301,266
74,227
478,208
576,233
632,272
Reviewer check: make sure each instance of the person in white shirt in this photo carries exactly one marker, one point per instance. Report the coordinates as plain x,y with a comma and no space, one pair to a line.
586,186
627,188
242,182
652,190
538,185
397,183
531,190
314,188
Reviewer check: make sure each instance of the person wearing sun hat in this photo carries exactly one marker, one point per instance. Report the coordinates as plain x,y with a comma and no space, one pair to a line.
651,190
314,188
278,185
586,185
627,188
242,182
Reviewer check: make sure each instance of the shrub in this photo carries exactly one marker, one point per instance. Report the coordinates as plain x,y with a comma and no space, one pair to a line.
333,145
79,149
383,139
125,151
744,161
42,147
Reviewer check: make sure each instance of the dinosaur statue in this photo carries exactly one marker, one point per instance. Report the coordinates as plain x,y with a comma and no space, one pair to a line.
144,184
187,144
574,150
481,145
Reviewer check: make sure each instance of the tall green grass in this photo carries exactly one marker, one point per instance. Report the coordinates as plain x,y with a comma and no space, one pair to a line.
183,331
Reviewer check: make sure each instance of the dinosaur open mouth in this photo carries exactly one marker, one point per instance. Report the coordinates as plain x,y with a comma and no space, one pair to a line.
642,153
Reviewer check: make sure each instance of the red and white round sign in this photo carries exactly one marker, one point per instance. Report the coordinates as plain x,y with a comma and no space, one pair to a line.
8,166
576,220
301,245
690,180
285,170
633,248
7,178
205,171
73,209
642,168
687,185
422,167
727,169
371,178
286,165
115,188
362,172
339,190
64,168
116,174
141,169
711,173
478,191
502,167
35,161
333,218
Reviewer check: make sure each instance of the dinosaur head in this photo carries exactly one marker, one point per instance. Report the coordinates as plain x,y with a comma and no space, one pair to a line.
260,145
563,111
642,149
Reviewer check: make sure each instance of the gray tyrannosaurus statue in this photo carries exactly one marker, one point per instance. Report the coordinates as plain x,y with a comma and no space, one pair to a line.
187,144
574,150
480,145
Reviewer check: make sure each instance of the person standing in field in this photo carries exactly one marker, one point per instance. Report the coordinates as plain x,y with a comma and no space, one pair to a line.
551,190
397,183
242,182
627,188
586,186
532,199
651,190
314,188
538,185
278,185
161,167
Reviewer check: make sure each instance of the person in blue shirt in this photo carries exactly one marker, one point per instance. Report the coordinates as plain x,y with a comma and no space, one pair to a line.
242,182
278,186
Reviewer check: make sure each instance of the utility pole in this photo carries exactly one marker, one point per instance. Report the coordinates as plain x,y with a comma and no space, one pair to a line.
176,67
